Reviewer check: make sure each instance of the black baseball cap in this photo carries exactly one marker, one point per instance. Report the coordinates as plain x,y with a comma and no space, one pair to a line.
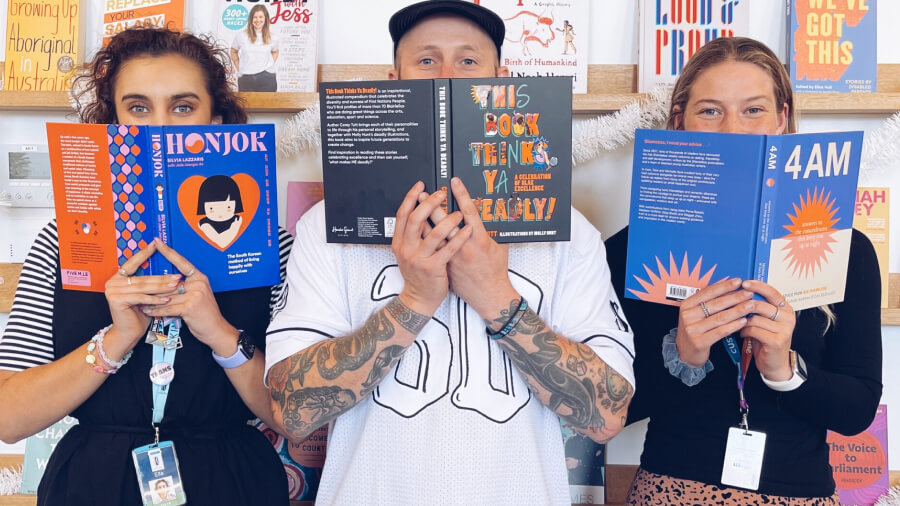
408,17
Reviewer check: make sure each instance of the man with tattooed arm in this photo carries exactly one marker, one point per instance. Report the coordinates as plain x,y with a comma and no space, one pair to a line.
445,362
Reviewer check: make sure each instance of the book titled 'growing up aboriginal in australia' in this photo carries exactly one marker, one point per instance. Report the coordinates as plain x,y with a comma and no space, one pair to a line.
207,191
832,46
671,31
710,206
43,44
508,139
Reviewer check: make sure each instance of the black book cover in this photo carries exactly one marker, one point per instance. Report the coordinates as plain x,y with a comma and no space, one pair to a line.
508,139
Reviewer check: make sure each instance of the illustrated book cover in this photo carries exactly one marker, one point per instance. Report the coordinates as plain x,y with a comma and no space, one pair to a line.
671,32
121,14
710,206
832,46
508,139
43,45
860,462
545,38
208,191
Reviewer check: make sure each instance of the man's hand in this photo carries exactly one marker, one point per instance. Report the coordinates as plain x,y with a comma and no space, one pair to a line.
423,252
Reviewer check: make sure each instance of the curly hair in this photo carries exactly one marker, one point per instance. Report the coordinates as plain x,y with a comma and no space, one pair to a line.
93,89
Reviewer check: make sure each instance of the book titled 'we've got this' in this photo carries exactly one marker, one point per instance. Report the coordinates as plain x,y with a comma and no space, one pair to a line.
208,191
710,206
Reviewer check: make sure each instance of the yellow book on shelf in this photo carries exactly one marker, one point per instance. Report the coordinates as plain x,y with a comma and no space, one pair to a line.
43,44
873,219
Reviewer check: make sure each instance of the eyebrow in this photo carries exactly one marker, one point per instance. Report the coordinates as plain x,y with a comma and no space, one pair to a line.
178,96
719,102
432,47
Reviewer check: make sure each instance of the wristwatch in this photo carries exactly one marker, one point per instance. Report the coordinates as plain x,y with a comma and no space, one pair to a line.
244,353
798,367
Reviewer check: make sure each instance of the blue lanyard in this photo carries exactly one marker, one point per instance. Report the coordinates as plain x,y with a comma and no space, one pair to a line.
163,354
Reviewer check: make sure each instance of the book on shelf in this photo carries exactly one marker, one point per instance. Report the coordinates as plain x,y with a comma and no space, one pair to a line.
873,218
671,32
43,45
710,206
832,46
860,462
208,191
545,38
303,461
3,6
38,448
586,466
279,52
508,139
123,14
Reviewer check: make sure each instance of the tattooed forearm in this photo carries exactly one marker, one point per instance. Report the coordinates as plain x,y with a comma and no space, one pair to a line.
318,384
568,377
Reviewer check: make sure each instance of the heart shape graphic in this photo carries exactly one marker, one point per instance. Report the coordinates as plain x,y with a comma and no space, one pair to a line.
189,197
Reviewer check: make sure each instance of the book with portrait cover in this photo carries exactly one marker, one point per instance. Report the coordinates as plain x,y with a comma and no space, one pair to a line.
709,206
671,32
508,139
43,44
208,191
121,14
586,466
832,46
860,462
545,38
278,51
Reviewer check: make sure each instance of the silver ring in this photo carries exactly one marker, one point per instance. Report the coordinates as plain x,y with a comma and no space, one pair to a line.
123,272
777,309
181,289
705,309
189,274
129,280
782,303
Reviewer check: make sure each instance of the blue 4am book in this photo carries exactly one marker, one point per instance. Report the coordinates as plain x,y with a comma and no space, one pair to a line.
710,206
208,191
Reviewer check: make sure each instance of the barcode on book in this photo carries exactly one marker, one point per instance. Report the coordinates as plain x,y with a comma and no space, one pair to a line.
679,292
389,223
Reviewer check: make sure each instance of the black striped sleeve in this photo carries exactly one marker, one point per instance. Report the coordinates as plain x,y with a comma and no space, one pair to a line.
285,241
27,340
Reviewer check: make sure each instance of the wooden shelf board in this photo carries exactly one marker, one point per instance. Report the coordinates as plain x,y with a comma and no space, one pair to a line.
610,87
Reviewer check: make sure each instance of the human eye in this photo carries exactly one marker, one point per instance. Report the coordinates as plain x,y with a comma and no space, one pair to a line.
183,108
138,108
755,110
426,61
469,62
709,112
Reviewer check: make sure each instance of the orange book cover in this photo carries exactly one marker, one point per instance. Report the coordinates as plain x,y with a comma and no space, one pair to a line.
873,219
121,14
43,44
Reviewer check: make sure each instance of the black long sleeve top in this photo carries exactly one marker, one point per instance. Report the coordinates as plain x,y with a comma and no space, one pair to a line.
688,426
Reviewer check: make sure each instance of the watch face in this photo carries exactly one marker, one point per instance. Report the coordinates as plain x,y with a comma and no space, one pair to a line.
246,347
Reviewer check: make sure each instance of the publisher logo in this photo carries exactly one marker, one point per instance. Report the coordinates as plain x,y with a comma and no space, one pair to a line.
341,231
389,224
75,277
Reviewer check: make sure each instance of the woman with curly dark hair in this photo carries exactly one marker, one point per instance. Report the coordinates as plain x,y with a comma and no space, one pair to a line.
61,347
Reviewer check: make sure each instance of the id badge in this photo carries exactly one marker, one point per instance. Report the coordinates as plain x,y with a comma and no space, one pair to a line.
158,475
743,458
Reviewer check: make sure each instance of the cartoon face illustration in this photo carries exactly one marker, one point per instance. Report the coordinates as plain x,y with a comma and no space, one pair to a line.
219,201
490,124
518,124
219,210
540,151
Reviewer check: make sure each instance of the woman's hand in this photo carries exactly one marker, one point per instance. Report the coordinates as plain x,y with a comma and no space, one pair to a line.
708,316
126,294
193,301
771,330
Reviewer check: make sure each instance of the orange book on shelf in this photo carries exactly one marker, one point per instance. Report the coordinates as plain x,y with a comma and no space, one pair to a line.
118,16
43,45
873,219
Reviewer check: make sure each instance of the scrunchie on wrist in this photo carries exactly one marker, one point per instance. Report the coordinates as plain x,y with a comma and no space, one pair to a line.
688,375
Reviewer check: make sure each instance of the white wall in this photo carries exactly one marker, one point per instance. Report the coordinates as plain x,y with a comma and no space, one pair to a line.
355,32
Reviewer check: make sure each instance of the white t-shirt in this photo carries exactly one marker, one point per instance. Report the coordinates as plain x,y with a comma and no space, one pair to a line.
454,423
255,57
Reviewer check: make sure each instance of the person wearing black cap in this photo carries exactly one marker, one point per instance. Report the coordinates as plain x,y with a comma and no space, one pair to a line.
446,361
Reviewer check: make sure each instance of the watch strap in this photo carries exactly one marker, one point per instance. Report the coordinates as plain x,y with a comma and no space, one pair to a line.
240,356
799,375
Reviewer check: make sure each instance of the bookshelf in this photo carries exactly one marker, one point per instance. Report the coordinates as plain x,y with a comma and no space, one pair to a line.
610,87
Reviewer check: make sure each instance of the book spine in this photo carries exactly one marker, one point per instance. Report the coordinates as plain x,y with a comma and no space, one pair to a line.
768,192
443,155
159,265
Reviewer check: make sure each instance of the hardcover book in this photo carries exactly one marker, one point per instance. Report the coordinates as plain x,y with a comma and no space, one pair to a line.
38,448
832,46
43,45
710,206
119,15
860,462
873,218
207,191
303,461
545,38
586,465
508,139
281,47
671,32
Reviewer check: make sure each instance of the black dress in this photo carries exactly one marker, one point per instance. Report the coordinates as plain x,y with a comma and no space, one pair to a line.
223,461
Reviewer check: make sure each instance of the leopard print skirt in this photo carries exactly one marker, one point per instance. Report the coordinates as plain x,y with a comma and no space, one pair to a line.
649,489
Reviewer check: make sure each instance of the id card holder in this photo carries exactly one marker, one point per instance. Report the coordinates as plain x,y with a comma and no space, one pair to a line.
158,475
743,458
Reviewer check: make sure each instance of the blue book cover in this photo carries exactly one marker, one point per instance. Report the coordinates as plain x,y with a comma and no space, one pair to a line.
710,206
208,191
832,46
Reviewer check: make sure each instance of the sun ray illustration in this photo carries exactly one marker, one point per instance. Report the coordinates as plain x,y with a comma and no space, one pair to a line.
657,285
810,233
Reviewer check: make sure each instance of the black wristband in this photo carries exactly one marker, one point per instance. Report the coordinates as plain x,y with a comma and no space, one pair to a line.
511,323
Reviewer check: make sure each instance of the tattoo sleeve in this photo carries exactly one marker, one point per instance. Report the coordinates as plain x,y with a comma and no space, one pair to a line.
568,377
316,385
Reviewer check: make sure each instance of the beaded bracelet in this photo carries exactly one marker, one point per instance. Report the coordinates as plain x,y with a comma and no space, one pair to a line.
511,323
96,345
